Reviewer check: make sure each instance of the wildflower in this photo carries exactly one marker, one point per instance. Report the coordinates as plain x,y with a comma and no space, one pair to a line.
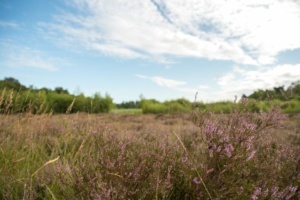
168,181
293,189
251,155
256,193
274,191
248,146
228,149
184,159
220,132
195,180
226,138
108,193
250,126
210,170
210,128
265,192
211,153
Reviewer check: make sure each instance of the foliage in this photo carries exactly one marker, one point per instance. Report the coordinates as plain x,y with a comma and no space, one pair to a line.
17,98
128,104
212,156
173,106
127,111
59,100
242,157
208,156
11,83
292,92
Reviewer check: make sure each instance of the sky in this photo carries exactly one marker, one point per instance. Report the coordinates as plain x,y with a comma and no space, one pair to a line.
161,49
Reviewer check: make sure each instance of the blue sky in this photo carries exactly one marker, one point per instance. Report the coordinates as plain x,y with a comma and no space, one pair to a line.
162,49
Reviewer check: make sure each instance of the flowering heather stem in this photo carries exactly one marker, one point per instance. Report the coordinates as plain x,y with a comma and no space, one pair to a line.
196,170
32,175
185,150
204,184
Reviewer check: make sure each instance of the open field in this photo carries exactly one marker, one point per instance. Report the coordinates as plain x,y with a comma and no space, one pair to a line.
123,156
127,111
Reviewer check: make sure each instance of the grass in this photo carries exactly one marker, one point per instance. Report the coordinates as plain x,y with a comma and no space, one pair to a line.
127,111
199,155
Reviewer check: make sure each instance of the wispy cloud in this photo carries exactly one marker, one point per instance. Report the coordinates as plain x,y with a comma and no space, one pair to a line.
169,83
244,81
9,24
163,81
246,32
22,56
203,87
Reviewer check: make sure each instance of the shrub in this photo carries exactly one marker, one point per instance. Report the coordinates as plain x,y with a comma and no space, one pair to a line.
240,157
150,106
174,106
218,156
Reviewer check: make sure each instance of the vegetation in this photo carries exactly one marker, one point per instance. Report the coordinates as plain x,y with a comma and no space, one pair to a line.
292,92
59,99
18,98
173,106
201,155
127,111
128,104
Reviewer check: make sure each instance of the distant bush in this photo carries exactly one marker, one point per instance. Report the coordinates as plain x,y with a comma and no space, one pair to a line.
173,106
44,102
128,104
220,107
150,106
292,92
16,98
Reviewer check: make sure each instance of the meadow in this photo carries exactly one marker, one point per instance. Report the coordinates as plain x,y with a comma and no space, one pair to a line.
193,155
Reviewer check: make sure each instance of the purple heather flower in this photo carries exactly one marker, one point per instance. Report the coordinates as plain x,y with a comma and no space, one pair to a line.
293,189
211,153
256,193
251,155
210,170
195,180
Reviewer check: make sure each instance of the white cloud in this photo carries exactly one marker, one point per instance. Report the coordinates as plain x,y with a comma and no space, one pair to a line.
203,87
169,83
246,32
8,24
245,81
163,81
225,79
22,56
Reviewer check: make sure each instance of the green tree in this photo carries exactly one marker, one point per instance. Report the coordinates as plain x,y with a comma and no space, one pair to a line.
61,90
11,83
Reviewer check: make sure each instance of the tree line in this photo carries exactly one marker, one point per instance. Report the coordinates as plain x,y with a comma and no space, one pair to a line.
280,93
16,98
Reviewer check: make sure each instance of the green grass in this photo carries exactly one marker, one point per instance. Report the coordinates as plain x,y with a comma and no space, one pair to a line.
116,156
127,155
127,111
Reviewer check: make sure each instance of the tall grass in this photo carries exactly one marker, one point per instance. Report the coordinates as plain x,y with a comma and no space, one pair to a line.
208,156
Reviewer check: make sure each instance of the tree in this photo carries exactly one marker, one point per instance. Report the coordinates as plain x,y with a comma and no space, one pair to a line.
60,90
279,90
11,83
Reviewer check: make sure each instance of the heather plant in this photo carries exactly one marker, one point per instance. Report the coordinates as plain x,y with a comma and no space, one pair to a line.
234,155
239,157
